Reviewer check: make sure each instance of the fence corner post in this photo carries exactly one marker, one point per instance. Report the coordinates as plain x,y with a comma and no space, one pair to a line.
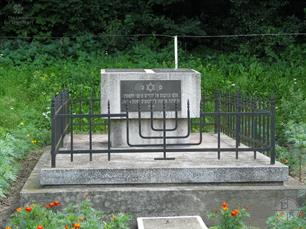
273,129
53,153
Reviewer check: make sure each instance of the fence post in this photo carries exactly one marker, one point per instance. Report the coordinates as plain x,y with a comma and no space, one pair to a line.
62,111
90,114
238,110
215,116
218,115
53,129
108,132
71,131
273,126
254,127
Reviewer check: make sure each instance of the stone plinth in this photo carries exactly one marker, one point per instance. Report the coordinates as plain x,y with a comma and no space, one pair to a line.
125,88
140,168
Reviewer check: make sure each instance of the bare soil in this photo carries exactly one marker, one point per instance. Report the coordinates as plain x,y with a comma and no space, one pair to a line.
11,201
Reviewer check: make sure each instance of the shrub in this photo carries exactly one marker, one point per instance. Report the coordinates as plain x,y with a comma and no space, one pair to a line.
283,220
296,134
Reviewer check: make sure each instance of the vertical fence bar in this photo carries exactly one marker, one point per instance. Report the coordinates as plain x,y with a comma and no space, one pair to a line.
233,117
273,126
215,116
53,137
219,124
90,126
260,123
164,130
242,118
254,128
109,132
246,121
228,116
71,132
61,117
202,110
81,110
249,122
268,130
238,111
264,128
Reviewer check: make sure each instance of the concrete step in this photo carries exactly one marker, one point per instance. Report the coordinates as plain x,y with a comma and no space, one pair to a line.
130,168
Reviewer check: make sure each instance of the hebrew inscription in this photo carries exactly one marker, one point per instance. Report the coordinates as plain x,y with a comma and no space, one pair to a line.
147,92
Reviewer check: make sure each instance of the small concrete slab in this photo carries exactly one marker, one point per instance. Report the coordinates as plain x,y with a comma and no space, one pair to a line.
173,222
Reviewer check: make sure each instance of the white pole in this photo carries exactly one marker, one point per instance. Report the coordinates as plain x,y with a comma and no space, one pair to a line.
175,52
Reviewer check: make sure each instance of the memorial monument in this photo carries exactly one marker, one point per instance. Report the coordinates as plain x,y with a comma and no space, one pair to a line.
149,90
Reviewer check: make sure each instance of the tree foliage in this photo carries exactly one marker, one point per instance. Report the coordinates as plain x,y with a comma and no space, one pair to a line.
55,18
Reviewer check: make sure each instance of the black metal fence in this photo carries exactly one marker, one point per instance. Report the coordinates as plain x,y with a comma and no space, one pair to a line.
249,121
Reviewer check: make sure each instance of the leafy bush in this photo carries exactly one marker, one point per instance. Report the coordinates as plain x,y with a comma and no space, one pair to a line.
282,220
13,148
82,215
296,134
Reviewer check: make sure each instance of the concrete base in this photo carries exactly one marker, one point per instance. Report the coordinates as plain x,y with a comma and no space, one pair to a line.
169,200
141,168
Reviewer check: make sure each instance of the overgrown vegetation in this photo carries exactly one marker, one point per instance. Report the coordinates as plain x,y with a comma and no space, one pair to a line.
73,216
286,220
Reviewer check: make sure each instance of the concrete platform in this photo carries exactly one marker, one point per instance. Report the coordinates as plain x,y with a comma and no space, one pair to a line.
141,168
169,200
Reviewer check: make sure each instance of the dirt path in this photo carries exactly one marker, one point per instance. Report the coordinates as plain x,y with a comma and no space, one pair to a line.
11,202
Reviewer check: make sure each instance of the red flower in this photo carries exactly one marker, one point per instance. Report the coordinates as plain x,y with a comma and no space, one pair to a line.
225,206
40,227
235,212
51,205
57,203
77,225
28,209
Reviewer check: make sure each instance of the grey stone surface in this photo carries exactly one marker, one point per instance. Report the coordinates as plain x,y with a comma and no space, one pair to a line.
141,168
218,174
174,222
168,200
